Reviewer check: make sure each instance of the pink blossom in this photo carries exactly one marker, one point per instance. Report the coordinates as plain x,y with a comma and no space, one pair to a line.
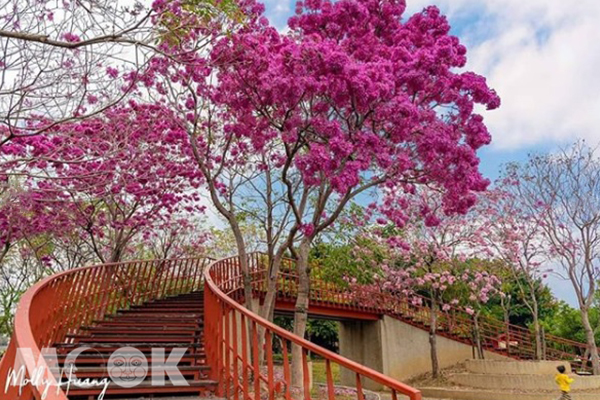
112,72
71,37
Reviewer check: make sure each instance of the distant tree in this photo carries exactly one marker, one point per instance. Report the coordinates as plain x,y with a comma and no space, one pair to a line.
520,314
63,61
561,191
113,176
23,266
512,234
435,256
323,332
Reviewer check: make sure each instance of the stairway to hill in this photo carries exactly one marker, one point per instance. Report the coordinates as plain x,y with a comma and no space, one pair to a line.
496,336
172,323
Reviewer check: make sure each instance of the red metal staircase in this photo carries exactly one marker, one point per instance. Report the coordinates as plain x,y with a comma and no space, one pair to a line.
175,322
160,304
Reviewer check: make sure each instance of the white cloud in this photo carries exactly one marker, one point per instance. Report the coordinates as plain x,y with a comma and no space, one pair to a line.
542,56
278,12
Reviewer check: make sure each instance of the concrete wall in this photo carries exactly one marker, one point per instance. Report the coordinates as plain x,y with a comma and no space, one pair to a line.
522,382
472,394
511,367
397,349
361,341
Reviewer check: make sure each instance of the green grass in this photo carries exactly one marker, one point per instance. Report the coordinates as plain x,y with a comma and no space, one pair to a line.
320,373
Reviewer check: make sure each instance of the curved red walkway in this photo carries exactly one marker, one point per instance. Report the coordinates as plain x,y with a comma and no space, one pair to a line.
134,303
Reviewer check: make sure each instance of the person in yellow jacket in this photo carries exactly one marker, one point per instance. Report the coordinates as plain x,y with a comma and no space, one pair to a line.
564,383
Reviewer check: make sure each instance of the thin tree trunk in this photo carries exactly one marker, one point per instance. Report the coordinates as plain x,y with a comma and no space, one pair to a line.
116,255
477,335
507,329
544,348
591,341
244,267
539,352
533,306
268,307
435,366
301,310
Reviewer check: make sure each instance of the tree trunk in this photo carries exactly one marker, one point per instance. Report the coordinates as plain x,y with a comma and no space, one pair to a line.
244,267
507,329
301,310
543,343
435,366
116,255
477,335
591,341
268,307
539,353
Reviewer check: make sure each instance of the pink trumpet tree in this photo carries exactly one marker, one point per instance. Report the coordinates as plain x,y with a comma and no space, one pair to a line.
511,233
115,176
354,98
25,216
437,262
561,192
433,251
481,286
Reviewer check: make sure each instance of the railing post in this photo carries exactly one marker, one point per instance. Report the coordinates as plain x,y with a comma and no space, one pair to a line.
236,378
227,366
255,364
245,361
270,371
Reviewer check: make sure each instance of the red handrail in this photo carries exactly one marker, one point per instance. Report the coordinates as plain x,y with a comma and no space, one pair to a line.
455,324
233,340
61,304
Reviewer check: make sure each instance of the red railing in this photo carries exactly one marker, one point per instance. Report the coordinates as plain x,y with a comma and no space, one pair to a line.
495,335
61,304
236,339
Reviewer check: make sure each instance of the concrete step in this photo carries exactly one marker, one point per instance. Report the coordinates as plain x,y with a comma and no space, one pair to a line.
521,382
512,367
478,394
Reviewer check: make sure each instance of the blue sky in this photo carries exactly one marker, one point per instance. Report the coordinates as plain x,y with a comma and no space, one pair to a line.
542,58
